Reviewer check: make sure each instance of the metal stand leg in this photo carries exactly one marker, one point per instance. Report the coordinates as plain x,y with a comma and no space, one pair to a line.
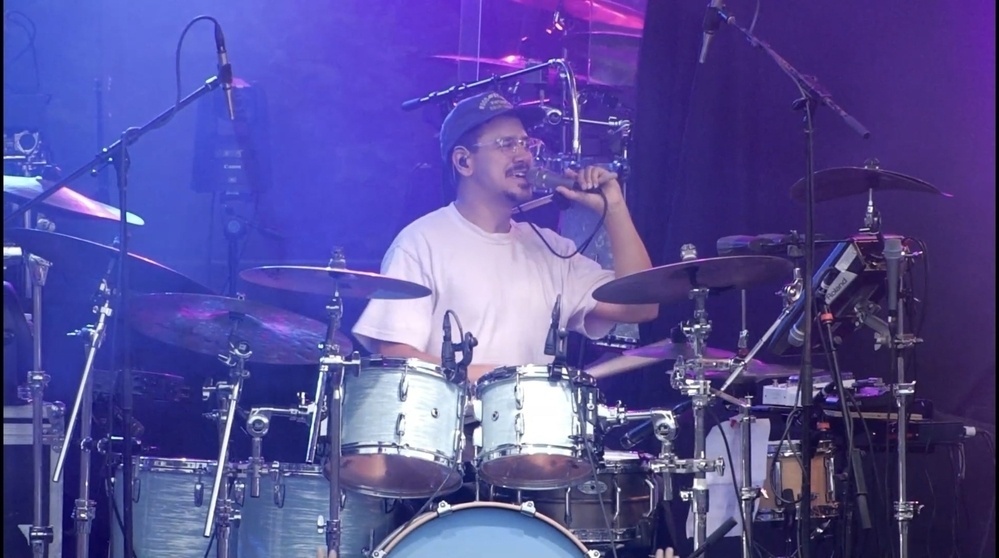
747,493
40,535
83,512
221,513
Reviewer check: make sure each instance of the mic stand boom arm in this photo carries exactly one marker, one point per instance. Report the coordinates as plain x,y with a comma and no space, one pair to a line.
108,155
811,96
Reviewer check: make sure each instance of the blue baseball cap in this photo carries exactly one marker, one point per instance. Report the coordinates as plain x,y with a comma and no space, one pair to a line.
479,109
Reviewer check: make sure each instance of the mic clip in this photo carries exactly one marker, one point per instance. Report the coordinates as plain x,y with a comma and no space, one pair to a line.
459,372
555,343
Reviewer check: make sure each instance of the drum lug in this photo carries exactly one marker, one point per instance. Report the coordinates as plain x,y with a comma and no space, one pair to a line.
518,395
568,507
518,425
278,491
617,502
403,386
443,508
199,490
593,554
136,483
527,508
239,492
652,498
400,425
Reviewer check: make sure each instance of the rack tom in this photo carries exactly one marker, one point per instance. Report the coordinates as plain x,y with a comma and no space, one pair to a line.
401,429
537,426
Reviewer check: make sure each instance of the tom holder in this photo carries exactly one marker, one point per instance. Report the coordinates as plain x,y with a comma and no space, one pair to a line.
221,512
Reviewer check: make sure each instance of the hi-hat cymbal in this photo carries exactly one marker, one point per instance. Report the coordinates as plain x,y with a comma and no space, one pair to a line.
607,12
327,280
88,261
202,323
510,62
831,184
26,188
666,350
672,283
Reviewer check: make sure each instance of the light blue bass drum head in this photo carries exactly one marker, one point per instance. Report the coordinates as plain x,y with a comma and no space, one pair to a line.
483,530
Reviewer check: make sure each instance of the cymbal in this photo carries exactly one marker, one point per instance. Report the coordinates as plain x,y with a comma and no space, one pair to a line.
834,183
607,12
509,62
672,283
202,323
665,350
26,188
325,280
611,58
88,262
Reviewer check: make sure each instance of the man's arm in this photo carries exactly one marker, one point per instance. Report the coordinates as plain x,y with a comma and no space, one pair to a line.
628,250
401,350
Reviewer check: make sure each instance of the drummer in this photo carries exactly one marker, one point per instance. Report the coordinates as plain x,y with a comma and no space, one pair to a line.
501,278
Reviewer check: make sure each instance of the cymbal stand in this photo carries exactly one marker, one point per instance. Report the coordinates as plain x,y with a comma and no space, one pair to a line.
222,513
83,512
905,509
40,536
699,390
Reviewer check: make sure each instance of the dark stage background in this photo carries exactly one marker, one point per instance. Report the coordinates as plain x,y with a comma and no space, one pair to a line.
716,150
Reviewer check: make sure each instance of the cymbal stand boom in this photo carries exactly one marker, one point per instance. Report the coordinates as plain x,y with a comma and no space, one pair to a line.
221,512
39,535
83,512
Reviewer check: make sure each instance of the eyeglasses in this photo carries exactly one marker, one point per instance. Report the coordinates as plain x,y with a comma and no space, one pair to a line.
510,145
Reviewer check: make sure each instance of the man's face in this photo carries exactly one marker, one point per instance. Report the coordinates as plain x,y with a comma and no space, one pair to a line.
501,160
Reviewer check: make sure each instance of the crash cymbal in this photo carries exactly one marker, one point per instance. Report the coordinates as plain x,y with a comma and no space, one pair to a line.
325,280
607,12
605,58
841,182
510,62
202,323
666,350
88,261
672,283
25,188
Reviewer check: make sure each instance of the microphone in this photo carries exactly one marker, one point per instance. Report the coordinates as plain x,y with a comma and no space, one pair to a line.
893,256
712,21
551,342
796,337
447,347
225,70
544,181
714,537
637,434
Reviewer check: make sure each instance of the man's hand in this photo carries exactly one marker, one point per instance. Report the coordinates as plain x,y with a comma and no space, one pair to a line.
589,179
667,553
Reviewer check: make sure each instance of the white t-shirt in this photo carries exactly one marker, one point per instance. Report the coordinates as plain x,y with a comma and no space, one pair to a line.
501,286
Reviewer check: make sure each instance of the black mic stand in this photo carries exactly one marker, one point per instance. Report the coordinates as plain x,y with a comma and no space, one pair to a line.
235,230
116,155
812,96
555,343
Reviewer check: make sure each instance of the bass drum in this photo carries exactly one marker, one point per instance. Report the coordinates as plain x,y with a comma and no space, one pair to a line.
483,530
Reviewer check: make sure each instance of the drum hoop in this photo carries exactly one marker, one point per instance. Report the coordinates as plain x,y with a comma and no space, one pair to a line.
405,530
530,371
174,464
286,469
409,364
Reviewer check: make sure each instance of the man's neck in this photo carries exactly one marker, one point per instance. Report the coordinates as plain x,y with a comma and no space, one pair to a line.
492,216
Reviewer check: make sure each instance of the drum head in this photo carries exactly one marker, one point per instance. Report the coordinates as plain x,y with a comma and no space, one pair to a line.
483,530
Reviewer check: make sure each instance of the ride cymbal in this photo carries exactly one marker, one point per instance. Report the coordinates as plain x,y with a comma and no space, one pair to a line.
203,324
834,183
672,283
25,188
327,280
88,261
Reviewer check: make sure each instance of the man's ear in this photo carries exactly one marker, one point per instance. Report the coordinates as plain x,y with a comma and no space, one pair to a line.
462,161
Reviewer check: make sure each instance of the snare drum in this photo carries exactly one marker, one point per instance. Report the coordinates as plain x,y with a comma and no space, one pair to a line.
170,506
785,473
401,429
483,530
281,523
534,427
628,493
